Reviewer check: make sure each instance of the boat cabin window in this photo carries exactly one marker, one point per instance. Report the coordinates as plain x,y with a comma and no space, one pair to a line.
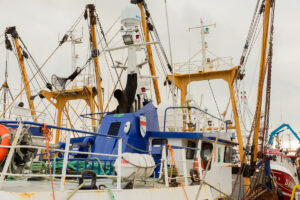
159,142
227,154
114,128
206,149
190,153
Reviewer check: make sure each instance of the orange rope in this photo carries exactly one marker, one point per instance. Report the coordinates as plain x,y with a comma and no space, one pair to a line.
174,163
48,136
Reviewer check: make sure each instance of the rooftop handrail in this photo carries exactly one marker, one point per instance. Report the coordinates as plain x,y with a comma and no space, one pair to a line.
57,127
187,107
91,114
17,111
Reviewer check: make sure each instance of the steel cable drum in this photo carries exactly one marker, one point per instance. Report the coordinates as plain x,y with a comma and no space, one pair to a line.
136,165
5,135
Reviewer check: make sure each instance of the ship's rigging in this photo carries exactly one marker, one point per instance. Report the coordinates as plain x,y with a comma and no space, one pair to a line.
59,85
267,8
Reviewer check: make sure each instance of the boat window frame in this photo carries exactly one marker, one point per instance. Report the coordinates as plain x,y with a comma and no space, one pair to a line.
191,153
205,146
225,159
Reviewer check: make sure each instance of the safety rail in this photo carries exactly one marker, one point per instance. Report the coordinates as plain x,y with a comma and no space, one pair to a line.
180,152
91,114
183,172
16,112
66,152
215,64
188,113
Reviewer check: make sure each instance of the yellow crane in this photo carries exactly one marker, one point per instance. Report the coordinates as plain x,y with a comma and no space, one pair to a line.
262,72
149,52
14,34
95,53
60,98
181,81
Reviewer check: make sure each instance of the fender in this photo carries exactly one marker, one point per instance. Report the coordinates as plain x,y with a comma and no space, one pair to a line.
5,135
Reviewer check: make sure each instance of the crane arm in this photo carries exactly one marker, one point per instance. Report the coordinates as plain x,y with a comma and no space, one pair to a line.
13,32
280,129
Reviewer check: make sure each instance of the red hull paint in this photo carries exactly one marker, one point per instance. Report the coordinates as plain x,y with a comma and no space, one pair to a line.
285,183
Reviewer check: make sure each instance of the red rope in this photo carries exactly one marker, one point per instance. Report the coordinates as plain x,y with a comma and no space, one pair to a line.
48,136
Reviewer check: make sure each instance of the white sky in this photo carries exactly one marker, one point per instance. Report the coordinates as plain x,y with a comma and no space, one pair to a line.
40,23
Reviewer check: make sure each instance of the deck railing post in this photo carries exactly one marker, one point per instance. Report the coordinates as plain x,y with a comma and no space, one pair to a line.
164,152
119,177
185,174
11,153
65,163
199,159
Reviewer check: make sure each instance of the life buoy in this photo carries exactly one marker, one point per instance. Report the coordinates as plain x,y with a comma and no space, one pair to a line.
4,134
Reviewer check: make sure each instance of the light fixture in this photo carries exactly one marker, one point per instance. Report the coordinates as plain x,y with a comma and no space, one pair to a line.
128,40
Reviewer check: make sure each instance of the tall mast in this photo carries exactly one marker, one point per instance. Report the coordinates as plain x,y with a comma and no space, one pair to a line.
15,36
204,30
262,71
5,88
95,54
74,40
204,59
149,52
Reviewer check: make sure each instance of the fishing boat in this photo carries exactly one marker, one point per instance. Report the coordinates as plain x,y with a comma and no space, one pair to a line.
137,150
283,166
136,146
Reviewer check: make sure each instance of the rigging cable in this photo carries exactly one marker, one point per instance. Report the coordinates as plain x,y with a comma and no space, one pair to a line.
159,58
268,86
269,64
150,20
40,68
110,28
119,80
250,34
42,75
106,43
212,92
213,150
109,70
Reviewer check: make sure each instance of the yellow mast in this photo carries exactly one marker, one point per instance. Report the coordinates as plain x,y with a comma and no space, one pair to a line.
14,34
262,71
92,17
150,55
60,98
181,81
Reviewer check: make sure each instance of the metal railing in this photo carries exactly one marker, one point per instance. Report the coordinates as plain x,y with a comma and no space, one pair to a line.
180,151
181,163
16,112
89,115
215,64
66,152
201,119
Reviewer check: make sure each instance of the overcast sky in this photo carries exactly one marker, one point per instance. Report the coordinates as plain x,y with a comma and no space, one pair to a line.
40,23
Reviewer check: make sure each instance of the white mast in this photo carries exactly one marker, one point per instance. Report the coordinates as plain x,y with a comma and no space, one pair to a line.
204,30
74,57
